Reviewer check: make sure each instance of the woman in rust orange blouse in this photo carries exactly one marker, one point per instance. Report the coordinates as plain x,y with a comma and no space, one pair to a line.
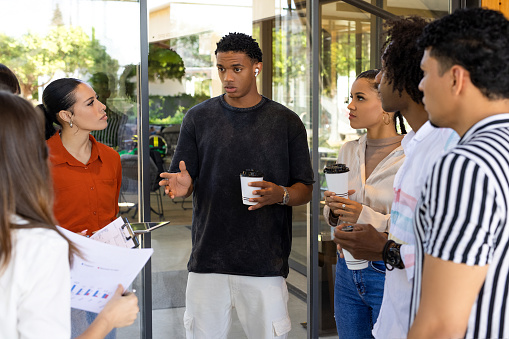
86,174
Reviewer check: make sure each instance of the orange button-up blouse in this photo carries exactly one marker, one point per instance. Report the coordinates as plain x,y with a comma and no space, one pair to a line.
86,196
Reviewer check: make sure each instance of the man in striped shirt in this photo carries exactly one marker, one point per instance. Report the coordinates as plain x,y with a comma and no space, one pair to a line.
461,223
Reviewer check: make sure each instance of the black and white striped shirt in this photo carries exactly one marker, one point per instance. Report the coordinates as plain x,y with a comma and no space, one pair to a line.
463,217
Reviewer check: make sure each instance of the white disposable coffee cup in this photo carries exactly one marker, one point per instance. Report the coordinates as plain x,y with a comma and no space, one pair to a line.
246,177
337,179
337,182
336,176
352,263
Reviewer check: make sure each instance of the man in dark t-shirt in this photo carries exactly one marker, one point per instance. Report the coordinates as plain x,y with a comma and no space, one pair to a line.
240,254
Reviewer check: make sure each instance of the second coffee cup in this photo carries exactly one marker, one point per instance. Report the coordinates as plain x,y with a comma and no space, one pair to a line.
337,182
337,179
352,263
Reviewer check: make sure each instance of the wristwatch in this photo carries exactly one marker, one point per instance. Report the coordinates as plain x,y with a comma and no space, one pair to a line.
286,196
392,255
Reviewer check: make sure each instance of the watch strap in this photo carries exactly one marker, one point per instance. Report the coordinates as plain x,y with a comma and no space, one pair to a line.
384,254
286,196
391,255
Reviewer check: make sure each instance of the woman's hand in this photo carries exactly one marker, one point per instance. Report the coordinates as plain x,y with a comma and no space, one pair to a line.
120,311
345,209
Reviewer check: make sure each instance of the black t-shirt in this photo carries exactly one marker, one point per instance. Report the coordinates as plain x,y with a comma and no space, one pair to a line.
217,142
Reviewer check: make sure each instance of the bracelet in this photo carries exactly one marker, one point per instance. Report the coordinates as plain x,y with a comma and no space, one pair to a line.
385,252
333,219
286,196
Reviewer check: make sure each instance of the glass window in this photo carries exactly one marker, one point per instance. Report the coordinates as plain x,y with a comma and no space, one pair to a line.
281,30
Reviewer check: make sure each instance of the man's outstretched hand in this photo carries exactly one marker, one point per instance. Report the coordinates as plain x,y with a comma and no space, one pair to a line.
177,184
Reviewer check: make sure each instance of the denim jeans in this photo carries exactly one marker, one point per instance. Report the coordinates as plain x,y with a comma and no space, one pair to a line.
357,299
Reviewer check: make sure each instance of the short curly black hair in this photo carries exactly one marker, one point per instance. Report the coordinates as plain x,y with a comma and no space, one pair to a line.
240,42
402,57
476,39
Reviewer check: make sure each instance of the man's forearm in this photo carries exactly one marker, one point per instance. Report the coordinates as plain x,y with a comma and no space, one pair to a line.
448,292
426,328
299,194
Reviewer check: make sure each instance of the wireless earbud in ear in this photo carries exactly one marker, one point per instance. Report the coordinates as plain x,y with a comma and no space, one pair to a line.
256,72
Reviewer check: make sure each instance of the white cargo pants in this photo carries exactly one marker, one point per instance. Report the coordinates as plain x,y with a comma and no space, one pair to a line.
261,304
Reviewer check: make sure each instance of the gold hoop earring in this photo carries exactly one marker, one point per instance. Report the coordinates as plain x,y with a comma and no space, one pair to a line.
386,118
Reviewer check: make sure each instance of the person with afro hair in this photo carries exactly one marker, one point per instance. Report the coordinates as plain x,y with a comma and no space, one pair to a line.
398,84
239,256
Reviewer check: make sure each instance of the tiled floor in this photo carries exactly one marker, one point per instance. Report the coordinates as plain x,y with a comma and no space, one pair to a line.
172,245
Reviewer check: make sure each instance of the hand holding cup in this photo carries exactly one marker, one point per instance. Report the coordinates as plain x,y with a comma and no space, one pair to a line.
247,176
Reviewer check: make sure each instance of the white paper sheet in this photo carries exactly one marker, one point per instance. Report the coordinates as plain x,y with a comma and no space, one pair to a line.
115,234
96,275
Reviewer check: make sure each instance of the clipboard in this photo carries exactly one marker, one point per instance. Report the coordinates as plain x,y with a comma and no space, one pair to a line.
129,233
118,233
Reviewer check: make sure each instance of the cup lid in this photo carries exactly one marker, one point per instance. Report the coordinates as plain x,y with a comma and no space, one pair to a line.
251,173
336,168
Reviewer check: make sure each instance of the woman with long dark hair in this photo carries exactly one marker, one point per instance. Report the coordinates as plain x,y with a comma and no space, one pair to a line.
86,174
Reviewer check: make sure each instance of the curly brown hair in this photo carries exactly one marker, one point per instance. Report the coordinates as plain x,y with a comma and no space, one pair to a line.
402,57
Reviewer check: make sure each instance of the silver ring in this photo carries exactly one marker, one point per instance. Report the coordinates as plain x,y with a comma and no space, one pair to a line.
343,206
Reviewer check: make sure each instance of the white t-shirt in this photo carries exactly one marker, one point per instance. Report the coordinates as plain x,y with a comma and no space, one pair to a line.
35,297
422,149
